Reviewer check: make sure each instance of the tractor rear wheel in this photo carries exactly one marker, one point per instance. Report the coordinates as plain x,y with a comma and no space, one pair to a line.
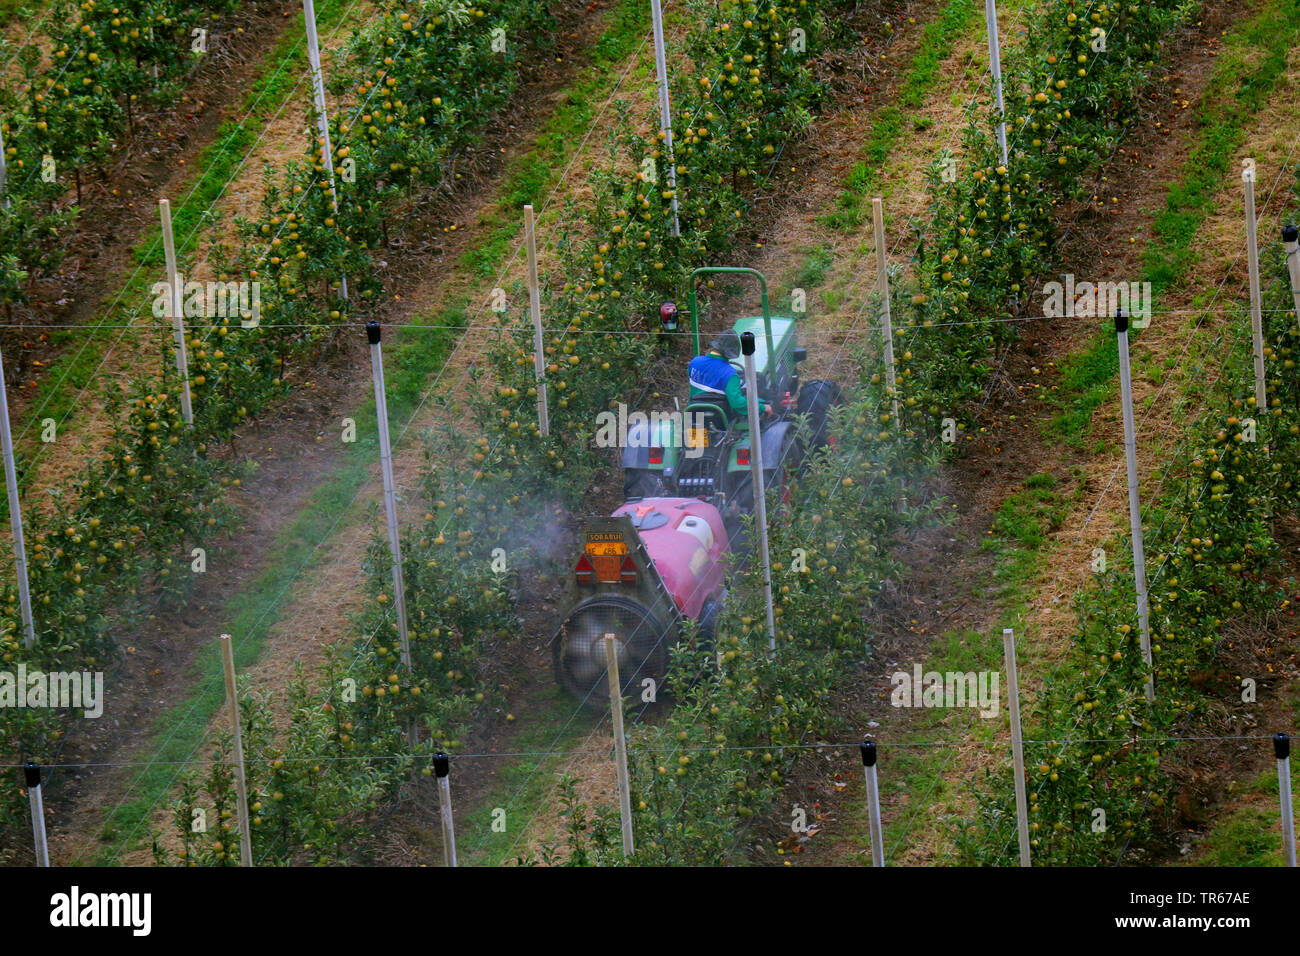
777,475
816,399
788,466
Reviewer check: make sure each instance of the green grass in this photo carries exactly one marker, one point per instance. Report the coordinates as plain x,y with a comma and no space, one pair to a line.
918,773
1237,89
1243,840
811,274
524,782
813,271
1087,379
1021,527
891,122
412,356
1251,834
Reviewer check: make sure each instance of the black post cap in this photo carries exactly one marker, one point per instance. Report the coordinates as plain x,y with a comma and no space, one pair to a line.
868,748
1290,232
747,343
372,332
33,773
1282,746
1121,322
441,764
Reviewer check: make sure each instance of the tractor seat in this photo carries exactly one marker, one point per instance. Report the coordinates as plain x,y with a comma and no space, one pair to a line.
712,417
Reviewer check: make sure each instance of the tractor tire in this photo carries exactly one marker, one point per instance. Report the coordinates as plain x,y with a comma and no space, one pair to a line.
639,483
816,399
790,464
707,632
742,496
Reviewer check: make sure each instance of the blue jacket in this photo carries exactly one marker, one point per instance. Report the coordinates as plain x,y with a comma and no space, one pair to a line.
713,377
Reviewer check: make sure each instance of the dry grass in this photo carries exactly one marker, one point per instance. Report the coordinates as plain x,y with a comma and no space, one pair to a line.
938,126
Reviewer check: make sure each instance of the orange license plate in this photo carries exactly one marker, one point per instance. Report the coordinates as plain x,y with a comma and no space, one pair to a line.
697,438
605,545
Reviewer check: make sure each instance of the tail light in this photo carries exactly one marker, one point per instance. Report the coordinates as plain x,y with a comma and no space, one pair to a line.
656,456
742,456
584,573
668,317
627,573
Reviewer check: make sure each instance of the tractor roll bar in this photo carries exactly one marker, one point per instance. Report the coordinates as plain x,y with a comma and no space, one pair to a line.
730,270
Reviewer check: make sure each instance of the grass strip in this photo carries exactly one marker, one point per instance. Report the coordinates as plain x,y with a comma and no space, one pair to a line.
890,123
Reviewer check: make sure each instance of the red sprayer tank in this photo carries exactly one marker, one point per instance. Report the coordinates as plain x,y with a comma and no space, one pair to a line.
686,541
642,570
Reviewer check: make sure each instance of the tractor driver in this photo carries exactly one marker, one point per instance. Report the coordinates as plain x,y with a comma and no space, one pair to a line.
713,376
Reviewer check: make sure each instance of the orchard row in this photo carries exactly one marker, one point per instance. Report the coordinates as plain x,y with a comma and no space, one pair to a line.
98,67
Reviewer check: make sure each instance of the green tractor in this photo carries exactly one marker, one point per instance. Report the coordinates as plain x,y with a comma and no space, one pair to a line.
703,450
